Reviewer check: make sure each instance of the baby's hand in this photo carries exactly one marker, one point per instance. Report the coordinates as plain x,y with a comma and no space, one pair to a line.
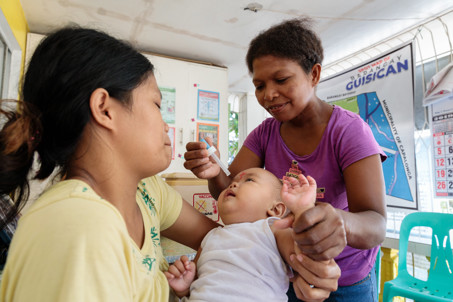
180,275
299,194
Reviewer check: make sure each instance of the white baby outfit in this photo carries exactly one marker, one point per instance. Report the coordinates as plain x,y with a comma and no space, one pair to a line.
240,262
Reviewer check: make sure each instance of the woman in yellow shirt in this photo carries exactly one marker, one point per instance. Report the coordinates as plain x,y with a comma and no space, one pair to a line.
90,107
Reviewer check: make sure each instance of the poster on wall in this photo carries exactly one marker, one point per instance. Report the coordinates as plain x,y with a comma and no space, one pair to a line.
442,129
207,205
381,91
208,130
167,106
208,105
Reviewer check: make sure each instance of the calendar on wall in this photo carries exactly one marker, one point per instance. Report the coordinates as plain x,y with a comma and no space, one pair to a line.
442,129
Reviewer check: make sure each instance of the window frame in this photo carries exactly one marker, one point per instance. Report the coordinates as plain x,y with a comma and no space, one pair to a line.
12,61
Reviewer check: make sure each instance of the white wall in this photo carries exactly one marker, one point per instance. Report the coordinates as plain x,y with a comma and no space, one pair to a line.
255,113
187,78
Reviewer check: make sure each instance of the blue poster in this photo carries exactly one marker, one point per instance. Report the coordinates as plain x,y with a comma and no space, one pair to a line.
381,92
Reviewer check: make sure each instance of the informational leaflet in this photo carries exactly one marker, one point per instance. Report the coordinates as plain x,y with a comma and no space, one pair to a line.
167,106
208,105
208,130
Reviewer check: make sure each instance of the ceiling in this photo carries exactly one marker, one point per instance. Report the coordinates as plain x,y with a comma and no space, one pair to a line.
219,31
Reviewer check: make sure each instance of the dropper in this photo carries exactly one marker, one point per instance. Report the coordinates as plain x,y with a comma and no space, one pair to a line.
211,152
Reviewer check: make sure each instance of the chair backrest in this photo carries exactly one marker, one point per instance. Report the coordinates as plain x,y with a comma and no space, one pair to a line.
441,266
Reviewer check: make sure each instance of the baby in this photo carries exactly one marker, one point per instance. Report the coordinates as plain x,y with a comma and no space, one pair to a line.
241,261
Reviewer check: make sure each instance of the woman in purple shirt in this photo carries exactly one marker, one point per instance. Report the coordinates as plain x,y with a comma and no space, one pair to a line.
331,144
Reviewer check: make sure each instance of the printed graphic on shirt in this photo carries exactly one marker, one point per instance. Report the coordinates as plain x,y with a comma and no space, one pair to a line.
320,193
294,171
145,262
149,201
148,262
155,236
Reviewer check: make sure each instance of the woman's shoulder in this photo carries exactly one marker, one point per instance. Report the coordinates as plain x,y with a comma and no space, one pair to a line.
155,182
344,122
270,122
345,117
351,135
154,188
160,199
67,190
265,134
267,127
72,202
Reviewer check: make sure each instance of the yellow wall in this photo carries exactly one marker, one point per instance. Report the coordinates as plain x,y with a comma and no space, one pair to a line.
12,9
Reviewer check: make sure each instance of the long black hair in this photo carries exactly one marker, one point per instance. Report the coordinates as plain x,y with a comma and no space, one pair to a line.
66,67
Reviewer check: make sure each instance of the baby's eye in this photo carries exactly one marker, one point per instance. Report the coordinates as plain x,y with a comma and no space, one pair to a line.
158,105
249,179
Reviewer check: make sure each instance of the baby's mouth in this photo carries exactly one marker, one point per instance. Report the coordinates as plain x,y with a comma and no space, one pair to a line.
229,193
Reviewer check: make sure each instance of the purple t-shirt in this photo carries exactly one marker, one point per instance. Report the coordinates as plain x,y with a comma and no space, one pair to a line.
347,139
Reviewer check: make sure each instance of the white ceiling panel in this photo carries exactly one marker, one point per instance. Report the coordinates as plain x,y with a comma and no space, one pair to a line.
219,31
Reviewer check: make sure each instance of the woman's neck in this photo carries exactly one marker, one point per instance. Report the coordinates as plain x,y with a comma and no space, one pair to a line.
303,134
113,186
108,175
316,113
103,169
119,190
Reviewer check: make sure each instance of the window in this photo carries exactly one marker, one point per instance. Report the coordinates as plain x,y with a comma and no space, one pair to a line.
233,127
10,61
5,66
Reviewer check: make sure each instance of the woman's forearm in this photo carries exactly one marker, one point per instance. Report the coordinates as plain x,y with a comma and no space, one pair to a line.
364,230
217,184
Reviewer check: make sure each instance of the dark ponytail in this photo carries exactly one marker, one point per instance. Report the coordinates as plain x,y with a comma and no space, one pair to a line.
18,140
64,70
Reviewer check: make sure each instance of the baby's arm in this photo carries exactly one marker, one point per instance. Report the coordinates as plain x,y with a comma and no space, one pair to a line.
299,194
180,275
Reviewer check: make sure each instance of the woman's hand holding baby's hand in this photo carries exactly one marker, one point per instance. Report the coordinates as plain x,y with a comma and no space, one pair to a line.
320,278
320,232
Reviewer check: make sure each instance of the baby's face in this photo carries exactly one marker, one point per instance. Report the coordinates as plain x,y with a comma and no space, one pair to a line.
248,198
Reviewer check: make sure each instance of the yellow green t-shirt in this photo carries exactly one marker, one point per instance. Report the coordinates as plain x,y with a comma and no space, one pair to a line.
72,245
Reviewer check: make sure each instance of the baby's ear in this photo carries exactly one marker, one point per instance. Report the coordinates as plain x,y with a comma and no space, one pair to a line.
278,209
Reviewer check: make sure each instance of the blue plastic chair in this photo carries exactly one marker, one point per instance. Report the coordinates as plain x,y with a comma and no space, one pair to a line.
378,273
439,286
